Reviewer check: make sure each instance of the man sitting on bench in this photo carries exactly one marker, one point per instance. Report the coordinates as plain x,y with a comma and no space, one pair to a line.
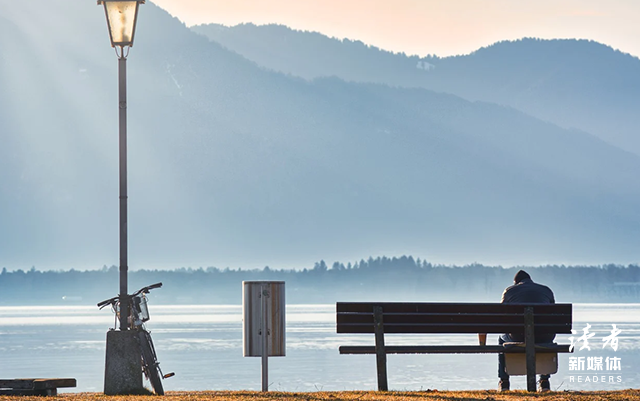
524,290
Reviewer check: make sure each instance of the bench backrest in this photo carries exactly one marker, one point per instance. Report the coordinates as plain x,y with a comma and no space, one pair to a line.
421,317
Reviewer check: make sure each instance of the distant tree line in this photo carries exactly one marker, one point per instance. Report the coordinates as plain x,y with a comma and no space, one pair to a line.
375,279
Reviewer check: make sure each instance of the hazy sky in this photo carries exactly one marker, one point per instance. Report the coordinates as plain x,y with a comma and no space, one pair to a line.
442,27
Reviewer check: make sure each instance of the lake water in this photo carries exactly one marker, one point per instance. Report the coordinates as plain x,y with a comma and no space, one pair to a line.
203,345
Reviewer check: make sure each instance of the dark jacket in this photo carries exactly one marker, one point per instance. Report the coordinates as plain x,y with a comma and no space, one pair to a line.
525,292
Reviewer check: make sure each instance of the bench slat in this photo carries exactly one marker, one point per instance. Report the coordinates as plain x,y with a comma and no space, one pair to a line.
17,383
462,316
448,349
36,384
422,328
367,318
46,384
453,318
423,307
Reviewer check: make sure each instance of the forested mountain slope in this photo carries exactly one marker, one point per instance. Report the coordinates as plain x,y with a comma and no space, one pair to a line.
572,83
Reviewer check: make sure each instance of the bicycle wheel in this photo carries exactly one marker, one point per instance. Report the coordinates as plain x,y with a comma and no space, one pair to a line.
150,363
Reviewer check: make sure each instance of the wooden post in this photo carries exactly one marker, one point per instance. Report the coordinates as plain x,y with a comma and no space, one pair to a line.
530,348
381,352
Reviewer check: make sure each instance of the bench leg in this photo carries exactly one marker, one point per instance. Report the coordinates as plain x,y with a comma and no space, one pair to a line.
530,348
381,353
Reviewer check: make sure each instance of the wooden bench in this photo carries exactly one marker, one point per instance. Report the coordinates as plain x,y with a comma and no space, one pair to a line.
453,318
34,386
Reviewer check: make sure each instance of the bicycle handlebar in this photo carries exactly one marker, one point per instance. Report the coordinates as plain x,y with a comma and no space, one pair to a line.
144,290
106,302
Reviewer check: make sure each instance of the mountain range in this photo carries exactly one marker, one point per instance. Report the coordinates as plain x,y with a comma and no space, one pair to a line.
572,83
232,163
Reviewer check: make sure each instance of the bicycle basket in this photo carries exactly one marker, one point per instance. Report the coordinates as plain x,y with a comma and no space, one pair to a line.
140,303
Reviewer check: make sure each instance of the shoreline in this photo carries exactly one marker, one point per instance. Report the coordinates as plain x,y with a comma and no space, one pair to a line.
479,395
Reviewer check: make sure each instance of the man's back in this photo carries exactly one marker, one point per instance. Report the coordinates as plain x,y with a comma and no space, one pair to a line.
526,291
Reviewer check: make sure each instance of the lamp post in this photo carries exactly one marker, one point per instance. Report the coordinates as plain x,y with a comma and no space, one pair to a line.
121,21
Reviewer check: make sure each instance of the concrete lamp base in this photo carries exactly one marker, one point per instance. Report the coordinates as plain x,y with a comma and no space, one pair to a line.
123,370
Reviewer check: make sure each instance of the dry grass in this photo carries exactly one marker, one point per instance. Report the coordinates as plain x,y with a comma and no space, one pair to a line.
625,395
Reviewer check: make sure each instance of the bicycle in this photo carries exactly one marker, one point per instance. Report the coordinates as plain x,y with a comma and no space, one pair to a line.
139,314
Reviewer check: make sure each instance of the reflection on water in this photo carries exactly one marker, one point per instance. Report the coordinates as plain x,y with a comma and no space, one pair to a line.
606,313
203,345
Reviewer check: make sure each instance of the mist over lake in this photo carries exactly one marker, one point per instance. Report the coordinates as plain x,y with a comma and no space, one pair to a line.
396,279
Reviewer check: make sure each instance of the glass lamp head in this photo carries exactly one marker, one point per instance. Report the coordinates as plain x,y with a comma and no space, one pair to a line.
121,20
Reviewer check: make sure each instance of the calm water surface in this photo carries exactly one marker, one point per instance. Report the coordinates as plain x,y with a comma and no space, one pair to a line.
203,345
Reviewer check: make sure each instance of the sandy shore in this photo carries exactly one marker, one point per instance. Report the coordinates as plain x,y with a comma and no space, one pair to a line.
492,395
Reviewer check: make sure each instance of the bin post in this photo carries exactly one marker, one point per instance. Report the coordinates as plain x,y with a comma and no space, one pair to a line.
265,336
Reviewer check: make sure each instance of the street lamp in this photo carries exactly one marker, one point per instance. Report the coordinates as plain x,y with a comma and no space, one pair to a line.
123,374
121,21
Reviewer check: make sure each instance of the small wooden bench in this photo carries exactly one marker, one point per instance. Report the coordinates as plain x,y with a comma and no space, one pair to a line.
453,318
34,386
